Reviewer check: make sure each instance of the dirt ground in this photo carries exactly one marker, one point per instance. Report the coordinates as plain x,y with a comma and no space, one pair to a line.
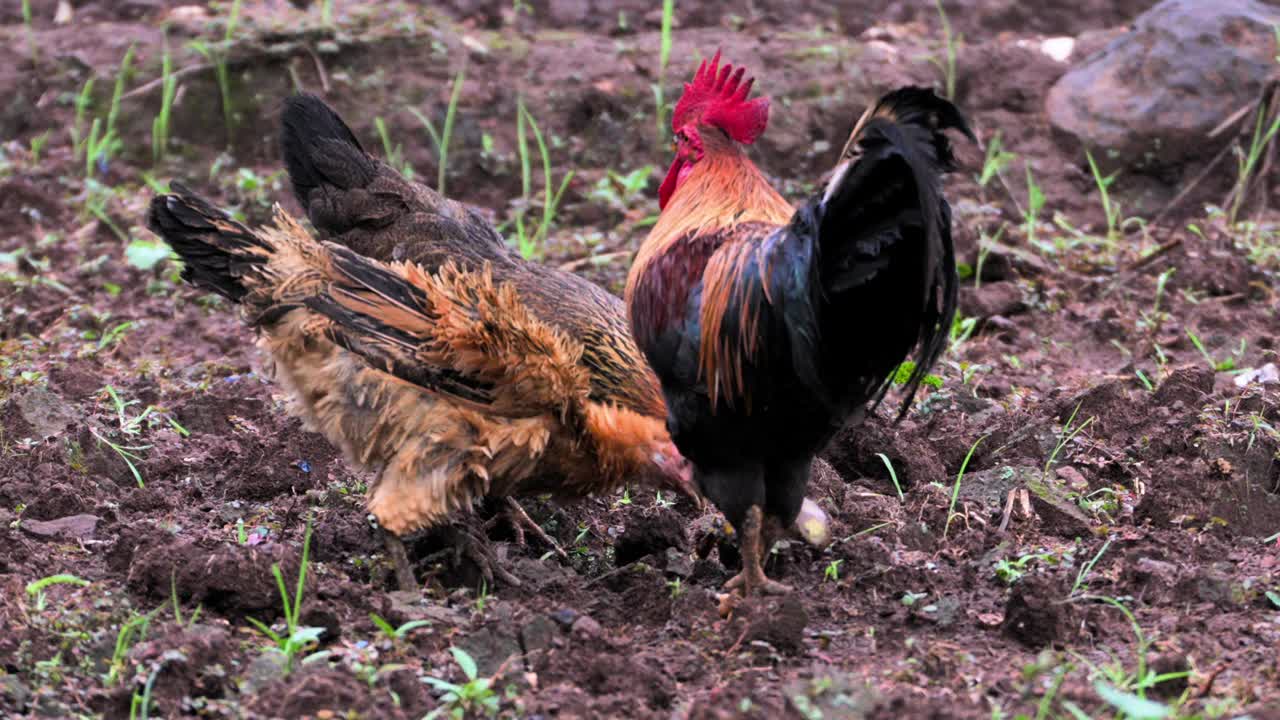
145,452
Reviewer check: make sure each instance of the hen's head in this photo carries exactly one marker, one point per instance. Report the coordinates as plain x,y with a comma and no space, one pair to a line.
716,99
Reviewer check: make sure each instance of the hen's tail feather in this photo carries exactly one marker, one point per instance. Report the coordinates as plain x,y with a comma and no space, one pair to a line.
453,331
216,251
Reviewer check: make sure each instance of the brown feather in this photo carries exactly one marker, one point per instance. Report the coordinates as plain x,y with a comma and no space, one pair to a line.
537,428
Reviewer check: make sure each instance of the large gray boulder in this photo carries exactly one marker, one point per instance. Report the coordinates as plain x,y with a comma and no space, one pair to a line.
1152,94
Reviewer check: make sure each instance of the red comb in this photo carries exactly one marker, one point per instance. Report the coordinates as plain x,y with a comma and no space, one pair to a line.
718,96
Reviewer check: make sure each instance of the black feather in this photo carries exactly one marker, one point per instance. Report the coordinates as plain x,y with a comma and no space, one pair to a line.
319,149
216,250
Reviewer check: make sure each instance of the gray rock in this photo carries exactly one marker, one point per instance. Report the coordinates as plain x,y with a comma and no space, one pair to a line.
679,563
1154,92
586,628
1058,512
45,411
13,688
79,527
491,646
538,634
262,671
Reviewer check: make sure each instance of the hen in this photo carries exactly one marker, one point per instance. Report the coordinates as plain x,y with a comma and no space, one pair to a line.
450,379
771,327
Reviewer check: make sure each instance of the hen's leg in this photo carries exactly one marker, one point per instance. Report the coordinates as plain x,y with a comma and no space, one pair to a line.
469,540
521,521
752,578
400,561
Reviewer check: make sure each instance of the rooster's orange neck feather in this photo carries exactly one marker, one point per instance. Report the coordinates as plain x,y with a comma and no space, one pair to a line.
723,190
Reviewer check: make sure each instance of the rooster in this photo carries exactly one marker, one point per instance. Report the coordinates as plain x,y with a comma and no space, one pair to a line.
451,380
771,327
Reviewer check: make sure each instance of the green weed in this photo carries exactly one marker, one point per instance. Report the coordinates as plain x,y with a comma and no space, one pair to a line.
168,90
893,475
664,57
529,240
1225,365
1035,203
955,490
394,153
832,572
468,699
36,588
1110,208
442,137
1082,577
393,633
295,639
218,56
1247,160
1067,435
950,47
29,24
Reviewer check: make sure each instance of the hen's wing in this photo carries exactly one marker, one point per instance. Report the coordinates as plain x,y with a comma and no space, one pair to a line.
355,199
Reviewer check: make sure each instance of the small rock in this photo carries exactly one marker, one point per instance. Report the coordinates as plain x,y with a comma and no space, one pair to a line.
1158,90
679,563
11,687
1072,479
262,671
491,646
780,623
1034,616
565,616
586,628
997,298
45,411
1265,375
651,534
538,634
79,527
1058,513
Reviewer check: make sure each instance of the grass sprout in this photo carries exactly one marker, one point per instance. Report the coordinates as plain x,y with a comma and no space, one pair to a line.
950,47
955,490
528,240
295,639
442,136
168,90
664,57
893,475
468,699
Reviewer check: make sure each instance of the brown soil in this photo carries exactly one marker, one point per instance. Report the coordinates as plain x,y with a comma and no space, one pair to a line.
1166,502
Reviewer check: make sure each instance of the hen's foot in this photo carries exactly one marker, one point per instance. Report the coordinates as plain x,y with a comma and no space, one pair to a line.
520,522
469,541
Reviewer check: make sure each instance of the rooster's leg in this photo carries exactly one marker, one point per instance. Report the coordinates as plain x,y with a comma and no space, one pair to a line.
400,561
752,578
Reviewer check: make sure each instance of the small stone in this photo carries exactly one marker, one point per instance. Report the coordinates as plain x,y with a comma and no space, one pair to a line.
45,411
262,671
679,563
78,527
586,628
565,616
538,634
1072,479
992,299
